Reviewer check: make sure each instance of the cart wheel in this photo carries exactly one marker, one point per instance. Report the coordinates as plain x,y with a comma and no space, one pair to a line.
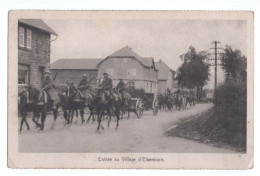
155,106
139,108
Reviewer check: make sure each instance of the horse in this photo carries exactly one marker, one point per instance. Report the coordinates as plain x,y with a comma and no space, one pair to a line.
191,99
179,101
32,100
108,104
165,102
124,98
76,101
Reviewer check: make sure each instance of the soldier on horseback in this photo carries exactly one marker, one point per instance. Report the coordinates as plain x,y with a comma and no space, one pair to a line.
48,86
106,85
84,87
167,91
121,89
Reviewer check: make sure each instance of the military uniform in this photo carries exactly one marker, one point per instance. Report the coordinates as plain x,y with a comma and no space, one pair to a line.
121,88
106,84
167,91
48,86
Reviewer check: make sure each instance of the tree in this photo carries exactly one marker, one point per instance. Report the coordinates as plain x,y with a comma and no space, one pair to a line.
194,72
234,64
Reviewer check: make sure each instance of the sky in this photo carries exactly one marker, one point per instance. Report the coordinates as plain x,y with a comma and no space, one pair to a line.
160,39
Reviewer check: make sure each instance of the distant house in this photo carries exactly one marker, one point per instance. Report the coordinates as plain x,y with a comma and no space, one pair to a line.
34,42
72,69
165,77
125,64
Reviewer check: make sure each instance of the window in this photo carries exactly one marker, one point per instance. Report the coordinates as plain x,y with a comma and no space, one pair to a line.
28,38
23,74
21,36
131,72
110,71
132,84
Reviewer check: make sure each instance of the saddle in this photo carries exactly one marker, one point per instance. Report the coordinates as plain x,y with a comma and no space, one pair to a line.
43,98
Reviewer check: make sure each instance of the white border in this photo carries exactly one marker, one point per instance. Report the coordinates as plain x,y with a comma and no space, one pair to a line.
134,5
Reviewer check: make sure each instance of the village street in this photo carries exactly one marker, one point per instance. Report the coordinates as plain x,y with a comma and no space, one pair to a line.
133,135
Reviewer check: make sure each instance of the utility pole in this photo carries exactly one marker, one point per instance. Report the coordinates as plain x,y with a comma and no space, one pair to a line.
216,61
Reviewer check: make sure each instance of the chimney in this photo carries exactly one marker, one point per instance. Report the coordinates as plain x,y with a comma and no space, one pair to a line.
128,47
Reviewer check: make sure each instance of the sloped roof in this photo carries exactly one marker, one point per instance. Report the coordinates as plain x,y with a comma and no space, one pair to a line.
76,64
164,70
128,52
39,24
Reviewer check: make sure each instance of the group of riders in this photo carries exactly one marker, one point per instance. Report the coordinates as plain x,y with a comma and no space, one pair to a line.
101,100
104,99
85,89
180,98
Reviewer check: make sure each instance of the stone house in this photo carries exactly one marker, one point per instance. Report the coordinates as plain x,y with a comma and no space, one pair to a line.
34,42
165,77
139,72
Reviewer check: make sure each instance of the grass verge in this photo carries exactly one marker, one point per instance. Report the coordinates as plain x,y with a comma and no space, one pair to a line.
207,128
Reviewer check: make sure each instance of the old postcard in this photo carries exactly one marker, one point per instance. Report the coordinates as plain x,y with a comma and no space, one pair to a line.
131,89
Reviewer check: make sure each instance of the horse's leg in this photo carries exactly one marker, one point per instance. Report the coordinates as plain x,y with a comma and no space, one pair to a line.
55,114
22,120
72,116
77,113
109,114
65,115
89,116
33,119
93,117
99,120
128,113
43,119
82,115
117,116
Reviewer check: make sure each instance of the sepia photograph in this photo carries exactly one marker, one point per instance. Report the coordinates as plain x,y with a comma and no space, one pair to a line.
123,86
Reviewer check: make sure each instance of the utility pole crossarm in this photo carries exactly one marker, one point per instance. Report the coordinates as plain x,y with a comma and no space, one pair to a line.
216,61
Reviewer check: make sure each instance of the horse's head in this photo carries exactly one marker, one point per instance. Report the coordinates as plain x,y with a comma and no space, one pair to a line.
70,89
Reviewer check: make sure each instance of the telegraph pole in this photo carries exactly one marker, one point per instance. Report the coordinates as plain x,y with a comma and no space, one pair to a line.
216,61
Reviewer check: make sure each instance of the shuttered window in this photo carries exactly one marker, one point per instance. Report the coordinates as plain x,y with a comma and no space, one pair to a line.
29,38
21,36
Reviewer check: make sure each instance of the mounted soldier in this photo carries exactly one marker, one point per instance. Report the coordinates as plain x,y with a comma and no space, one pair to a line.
48,86
121,89
167,91
106,85
83,85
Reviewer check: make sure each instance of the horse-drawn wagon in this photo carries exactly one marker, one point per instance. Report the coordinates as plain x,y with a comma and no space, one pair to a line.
141,102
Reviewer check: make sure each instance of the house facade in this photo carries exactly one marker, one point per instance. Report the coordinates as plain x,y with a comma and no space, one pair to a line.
139,72
34,42
71,70
165,77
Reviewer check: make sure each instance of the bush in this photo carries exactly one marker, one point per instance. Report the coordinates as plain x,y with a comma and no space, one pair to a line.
230,104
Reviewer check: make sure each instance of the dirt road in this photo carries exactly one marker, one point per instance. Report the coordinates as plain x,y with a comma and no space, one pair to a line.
133,135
